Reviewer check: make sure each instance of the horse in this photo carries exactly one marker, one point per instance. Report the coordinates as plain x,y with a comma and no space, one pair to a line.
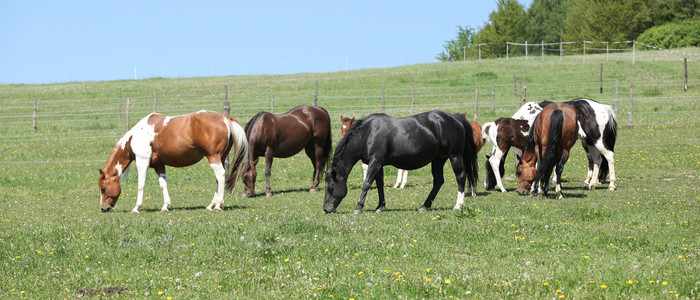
597,131
408,143
157,141
402,175
284,135
551,137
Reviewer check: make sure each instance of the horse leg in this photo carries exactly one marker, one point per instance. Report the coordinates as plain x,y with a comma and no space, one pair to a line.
379,179
595,160
438,180
398,178
364,171
404,179
220,174
373,169
610,157
160,170
315,153
590,164
495,162
559,170
461,177
142,165
268,172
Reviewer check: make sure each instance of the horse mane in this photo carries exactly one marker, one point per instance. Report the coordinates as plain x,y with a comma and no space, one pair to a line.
248,126
344,141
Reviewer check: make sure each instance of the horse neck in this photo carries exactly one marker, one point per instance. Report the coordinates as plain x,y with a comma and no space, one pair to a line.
118,160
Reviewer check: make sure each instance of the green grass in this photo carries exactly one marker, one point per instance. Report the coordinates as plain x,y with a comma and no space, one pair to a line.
641,241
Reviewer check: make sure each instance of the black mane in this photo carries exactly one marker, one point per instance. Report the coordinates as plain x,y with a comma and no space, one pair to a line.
340,149
248,126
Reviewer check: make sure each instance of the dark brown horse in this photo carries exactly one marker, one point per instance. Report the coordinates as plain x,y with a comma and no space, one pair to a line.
551,137
158,141
284,135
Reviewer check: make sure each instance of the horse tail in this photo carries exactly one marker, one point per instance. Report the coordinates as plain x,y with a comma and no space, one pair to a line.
327,148
469,154
550,159
489,135
609,137
240,145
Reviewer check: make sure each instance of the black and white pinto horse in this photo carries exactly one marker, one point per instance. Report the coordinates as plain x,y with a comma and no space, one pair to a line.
407,143
597,132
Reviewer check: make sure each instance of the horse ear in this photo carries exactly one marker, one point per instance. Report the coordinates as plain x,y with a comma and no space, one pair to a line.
341,118
518,157
102,173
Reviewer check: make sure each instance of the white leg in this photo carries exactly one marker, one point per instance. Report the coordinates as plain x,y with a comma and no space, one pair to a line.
220,174
398,178
610,156
164,186
405,178
495,161
597,160
558,190
142,168
460,201
364,171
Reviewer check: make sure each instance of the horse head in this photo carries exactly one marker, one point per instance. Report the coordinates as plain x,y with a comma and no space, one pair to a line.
336,189
346,124
110,189
249,176
526,172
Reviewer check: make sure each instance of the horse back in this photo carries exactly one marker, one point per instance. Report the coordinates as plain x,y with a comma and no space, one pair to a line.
569,126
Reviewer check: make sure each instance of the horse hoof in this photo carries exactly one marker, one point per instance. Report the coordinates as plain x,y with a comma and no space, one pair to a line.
268,194
422,209
312,190
164,210
357,211
378,211
133,211
560,196
612,188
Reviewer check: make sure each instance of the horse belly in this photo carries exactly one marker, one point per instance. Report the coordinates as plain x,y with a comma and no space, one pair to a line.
182,158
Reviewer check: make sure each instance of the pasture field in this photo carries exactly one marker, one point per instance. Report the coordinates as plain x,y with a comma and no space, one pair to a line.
641,241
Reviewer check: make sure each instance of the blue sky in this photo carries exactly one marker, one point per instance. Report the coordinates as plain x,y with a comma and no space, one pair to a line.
61,41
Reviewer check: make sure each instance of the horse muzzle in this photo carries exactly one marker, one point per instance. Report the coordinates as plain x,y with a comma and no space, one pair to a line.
106,209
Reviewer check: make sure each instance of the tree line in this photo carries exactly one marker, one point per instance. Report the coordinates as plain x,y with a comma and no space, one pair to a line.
662,23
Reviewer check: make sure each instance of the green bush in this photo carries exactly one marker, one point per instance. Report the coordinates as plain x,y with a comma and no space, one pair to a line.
673,35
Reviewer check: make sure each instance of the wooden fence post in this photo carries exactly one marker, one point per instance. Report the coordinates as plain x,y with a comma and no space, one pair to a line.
227,108
225,92
523,90
515,86
476,102
630,107
685,82
601,78
493,98
316,94
36,103
272,102
128,105
383,100
617,95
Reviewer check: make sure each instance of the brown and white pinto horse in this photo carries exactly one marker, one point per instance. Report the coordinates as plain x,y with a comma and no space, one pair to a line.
551,137
402,175
284,135
157,141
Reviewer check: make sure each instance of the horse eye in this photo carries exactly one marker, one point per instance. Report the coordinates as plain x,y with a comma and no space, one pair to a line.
103,190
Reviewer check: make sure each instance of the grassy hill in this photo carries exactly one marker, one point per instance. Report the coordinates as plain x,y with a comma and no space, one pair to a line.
640,241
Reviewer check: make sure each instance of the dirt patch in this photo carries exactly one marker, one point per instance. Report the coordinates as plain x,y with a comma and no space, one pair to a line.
103,291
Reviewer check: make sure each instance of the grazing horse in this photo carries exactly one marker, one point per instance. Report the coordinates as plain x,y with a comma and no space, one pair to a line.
402,175
597,131
551,137
408,143
284,135
157,141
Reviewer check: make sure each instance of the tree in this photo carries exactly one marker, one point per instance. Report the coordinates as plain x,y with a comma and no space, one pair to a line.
507,24
546,19
673,35
457,49
606,20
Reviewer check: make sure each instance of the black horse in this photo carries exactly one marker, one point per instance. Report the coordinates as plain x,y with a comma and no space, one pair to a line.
407,143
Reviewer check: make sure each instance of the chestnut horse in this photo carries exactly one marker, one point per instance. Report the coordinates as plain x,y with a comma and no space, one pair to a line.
157,141
552,135
284,135
402,175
